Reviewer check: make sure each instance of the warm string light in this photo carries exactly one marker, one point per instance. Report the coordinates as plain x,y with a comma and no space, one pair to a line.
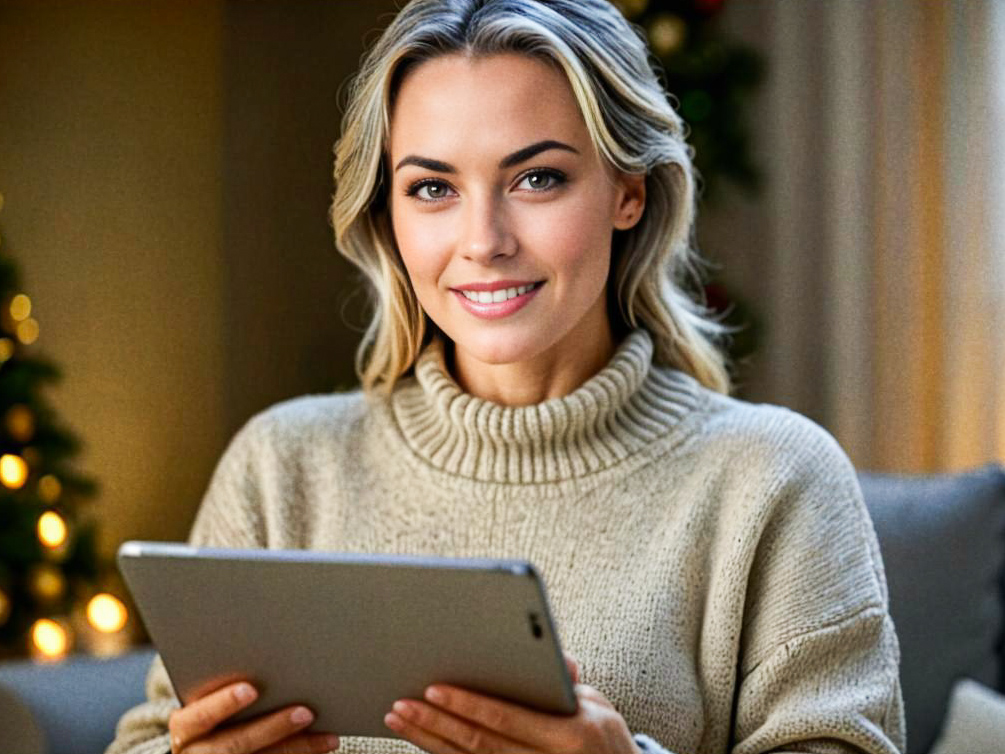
13,471
6,349
20,307
27,331
17,319
50,639
106,613
51,529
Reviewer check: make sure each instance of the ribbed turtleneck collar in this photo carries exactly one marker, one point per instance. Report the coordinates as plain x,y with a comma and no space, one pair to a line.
627,405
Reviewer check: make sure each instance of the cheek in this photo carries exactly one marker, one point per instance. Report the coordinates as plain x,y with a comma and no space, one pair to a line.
578,239
420,250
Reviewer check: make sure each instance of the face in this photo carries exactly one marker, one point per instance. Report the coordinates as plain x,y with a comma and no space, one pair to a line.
503,212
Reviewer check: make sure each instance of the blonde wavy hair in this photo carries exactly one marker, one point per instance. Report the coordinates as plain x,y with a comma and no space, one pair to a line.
632,124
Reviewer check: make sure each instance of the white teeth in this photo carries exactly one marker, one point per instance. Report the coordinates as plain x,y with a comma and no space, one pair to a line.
496,297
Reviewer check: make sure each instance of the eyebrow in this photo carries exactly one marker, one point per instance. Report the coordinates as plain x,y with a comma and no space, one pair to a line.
521,155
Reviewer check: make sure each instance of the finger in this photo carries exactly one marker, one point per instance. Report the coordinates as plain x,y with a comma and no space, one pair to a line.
195,720
513,721
573,666
587,694
422,738
464,734
307,743
256,734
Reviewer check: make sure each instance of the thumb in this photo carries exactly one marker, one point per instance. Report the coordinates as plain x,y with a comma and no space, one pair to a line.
573,666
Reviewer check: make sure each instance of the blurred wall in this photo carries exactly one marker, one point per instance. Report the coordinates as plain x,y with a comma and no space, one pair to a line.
166,168
286,287
111,119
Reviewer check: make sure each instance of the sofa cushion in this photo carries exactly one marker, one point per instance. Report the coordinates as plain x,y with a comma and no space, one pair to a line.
943,544
77,702
975,722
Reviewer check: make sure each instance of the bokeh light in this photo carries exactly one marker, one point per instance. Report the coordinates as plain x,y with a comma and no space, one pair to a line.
20,307
13,471
667,33
51,529
106,613
27,331
49,638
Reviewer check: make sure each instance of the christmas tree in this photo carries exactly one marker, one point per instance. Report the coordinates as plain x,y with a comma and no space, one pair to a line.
710,78
49,568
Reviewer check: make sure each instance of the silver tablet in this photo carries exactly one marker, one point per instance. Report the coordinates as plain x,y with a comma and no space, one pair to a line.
346,634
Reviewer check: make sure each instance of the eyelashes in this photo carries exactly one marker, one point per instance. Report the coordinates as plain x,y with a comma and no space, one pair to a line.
556,178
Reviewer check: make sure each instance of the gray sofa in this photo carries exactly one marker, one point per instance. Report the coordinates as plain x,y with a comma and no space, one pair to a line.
943,543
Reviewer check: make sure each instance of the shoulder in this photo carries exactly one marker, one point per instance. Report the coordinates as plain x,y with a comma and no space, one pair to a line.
763,451
312,413
309,421
767,442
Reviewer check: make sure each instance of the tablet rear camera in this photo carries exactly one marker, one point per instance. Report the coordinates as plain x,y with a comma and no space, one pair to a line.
535,626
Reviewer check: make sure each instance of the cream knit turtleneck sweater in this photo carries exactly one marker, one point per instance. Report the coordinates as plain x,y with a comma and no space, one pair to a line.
709,562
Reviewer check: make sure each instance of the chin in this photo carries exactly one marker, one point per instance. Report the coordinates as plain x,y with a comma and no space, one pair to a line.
500,348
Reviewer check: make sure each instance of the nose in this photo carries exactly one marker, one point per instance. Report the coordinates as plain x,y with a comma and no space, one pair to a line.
486,234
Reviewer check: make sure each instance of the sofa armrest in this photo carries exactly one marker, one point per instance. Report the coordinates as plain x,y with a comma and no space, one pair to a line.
77,702
942,539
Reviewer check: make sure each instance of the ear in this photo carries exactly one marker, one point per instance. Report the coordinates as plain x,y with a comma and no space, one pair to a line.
631,199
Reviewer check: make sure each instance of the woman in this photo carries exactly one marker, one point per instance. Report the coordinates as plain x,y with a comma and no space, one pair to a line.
519,194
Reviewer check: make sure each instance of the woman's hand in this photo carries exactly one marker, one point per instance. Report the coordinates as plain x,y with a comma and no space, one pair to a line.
195,727
455,721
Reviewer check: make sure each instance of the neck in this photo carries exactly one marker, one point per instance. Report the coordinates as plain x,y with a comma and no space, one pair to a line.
552,374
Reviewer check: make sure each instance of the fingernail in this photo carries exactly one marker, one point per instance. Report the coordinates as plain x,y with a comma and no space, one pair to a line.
244,692
434,695
392,721
331,741
301,715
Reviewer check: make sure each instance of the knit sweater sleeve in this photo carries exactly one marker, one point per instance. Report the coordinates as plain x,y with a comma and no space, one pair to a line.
229,516
819,666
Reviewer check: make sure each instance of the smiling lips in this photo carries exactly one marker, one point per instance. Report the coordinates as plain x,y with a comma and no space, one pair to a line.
495,300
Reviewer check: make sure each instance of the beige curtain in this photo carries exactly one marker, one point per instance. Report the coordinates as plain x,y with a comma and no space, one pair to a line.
883,135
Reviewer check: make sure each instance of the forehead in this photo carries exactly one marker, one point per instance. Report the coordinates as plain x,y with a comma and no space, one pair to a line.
483,105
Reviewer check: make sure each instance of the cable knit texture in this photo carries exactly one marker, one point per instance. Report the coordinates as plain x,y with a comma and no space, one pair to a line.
710,562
